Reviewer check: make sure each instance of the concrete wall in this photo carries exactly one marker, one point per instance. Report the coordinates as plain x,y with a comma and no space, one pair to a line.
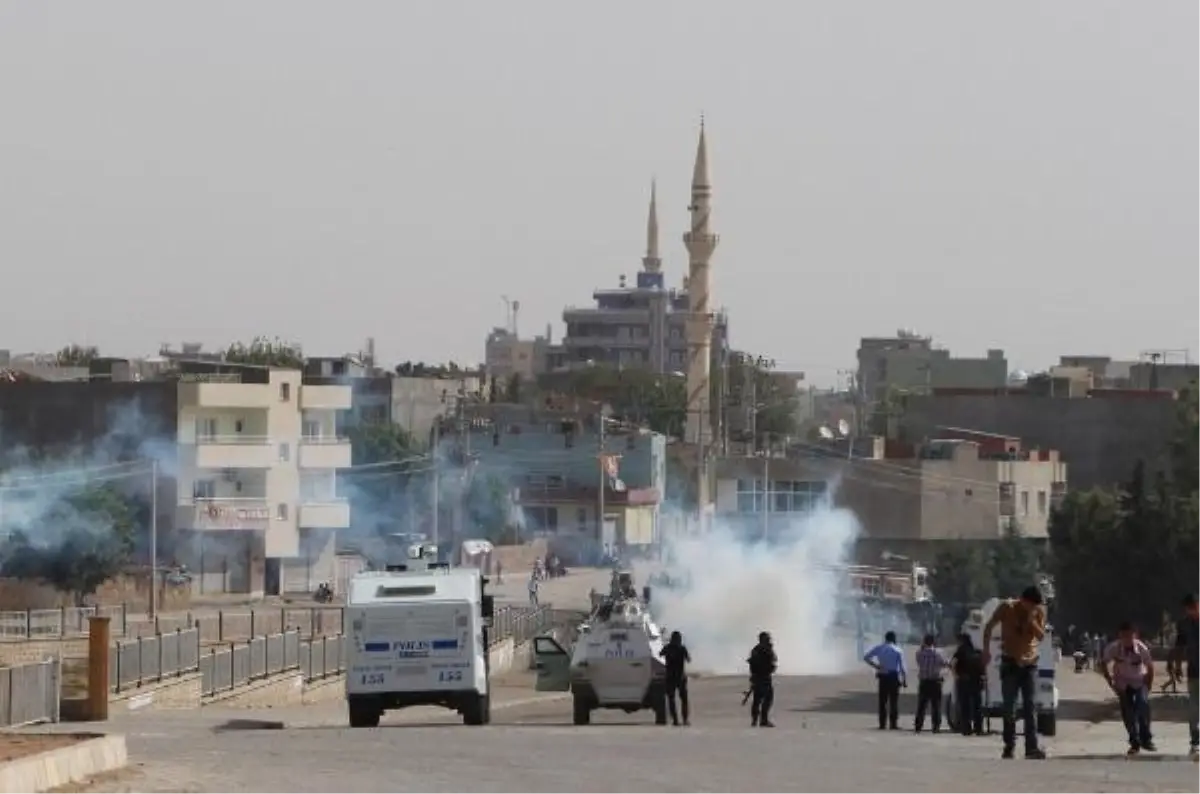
1100,438
172,693
17,652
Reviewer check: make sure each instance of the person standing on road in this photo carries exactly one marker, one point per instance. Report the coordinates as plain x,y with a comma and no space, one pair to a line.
1130,677
1186,640
533,589
1022,624
967,663
888,661
931,662
763,664
676,656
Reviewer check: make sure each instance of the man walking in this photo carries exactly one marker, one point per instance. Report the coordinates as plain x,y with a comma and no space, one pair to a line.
1186,648
930,664
533,589
1130,677
1022,624
763,663
967,663
676,656
888,661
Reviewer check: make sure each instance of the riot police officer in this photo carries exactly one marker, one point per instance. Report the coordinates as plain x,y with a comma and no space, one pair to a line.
762,663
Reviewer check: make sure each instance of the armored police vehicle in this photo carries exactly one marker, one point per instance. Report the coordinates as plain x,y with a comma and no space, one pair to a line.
1045,695
417,638
615,663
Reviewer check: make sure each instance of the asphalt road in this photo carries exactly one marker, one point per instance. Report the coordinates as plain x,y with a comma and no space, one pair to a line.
826,740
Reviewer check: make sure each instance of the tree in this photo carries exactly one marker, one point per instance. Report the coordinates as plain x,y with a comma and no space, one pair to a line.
1016,561
380,488
963,573
93,531
766,399
267,353
489,508
76,356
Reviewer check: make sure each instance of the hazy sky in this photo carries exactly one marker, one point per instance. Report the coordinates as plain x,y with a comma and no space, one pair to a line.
1005,174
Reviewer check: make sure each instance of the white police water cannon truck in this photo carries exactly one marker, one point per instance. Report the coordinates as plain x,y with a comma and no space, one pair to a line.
615,663
1045,691
417,638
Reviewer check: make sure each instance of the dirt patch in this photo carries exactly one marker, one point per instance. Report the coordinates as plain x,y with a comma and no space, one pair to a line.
20,745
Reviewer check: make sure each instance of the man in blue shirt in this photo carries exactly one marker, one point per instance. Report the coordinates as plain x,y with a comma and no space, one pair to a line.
888,661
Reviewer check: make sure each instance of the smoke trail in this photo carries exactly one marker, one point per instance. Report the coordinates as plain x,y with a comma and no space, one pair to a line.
735,588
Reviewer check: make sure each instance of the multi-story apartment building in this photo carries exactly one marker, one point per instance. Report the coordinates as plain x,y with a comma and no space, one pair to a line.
963,485
247,460
910,362
551,460
506,355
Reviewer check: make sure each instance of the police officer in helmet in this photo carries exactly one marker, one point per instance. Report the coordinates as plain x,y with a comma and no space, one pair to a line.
762,663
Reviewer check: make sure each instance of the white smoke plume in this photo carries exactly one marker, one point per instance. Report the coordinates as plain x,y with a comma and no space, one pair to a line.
736,588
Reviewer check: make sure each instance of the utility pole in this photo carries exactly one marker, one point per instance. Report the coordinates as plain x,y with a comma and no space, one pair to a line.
435,497
603,476
766,511
153,538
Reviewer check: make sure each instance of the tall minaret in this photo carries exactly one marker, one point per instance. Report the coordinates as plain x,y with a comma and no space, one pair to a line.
651,262
700,243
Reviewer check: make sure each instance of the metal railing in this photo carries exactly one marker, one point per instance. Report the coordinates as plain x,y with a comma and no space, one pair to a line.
224,625
323,657
225,669
521,624
30,693
132,663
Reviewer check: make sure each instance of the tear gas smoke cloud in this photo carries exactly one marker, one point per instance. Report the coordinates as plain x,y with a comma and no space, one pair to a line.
738,588
35,483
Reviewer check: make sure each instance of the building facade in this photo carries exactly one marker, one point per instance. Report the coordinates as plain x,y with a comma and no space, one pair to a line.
506,355
552,463
246,460
909,362
960,487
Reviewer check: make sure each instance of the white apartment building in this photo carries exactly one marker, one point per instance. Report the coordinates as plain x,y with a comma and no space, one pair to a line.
257,477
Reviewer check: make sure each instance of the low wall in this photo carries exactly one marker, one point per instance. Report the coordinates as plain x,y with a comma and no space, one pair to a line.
519,559
282,689
16,652
133,590
173,693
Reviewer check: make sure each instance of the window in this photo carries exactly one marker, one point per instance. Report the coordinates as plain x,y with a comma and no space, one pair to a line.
784,496
204,489
311,429
285,392
237,426
581,516
1041,503
281,511
1024,503
206,428
285,453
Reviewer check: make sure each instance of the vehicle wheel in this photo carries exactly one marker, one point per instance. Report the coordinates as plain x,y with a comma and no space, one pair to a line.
1047,723
582,711
477,710
950,709
364,714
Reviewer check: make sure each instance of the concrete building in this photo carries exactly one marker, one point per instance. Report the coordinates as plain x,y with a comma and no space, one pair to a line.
1155,370
247,458
506,355
639,325
911,363
1102,435
962,486
413,403
551,460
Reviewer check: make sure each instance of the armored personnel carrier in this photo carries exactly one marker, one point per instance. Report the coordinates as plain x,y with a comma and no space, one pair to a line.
614,664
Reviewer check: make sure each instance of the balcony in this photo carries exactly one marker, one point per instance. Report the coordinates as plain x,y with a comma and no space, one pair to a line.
227,395
214,515
325,398
324,452
234,452
332,514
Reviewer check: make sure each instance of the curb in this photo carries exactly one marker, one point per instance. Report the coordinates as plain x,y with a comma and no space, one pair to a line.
508,704
54,768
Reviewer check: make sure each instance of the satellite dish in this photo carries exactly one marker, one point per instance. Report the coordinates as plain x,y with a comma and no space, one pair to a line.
825,432
843,427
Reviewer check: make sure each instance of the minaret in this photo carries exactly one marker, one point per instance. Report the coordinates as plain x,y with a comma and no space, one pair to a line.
651,262
700,243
